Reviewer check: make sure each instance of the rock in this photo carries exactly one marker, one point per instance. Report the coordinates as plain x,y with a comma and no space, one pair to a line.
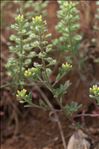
79,140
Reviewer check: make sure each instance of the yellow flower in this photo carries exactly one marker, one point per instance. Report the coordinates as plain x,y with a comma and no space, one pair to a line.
19,18
94,90
69,4
66,66
27,73
37,19
31,71
21,93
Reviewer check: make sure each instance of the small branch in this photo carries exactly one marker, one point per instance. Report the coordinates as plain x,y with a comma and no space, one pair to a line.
87,115
36,106
57,81
5,85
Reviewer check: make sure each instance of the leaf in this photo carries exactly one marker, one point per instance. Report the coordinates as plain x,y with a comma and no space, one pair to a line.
72,108
48,71
59,92
58,77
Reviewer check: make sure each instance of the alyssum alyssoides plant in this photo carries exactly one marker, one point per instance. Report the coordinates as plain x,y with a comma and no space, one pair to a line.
94,96
40,73
69,39
21,49
67,27
21,52
35,35
31,41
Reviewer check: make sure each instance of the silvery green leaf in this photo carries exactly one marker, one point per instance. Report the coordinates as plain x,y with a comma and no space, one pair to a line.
27,24
35,44
53,62
44,42
78,37
32,54
24,31
13,37
27,62
37,65
48,35
41,55
26,46
49,59
48,71
49,48
72,108
58,76
14,26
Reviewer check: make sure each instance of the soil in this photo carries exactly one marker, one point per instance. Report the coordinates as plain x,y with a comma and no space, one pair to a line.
37,131
30,128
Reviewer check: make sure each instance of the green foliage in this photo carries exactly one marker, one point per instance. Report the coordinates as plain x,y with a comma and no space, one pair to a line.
24,97
68,26
21,50
30,41
59,92
72,108
18,60
37,38
94,93
32,8
15,65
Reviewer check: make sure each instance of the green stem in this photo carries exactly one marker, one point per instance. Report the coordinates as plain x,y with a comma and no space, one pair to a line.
21,56
57,81
36,106
45,77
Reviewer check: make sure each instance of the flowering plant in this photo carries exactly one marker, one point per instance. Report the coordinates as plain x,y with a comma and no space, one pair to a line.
31,64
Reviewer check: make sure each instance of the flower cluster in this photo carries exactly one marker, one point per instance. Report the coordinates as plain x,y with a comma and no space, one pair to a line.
66,66
19,18
37,19
94,90
24,97
94,93
63,70
31,72
22,93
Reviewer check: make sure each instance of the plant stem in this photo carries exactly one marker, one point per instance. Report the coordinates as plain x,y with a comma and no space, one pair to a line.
5,85
21,55
55,113
87,115
36,106
57,81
